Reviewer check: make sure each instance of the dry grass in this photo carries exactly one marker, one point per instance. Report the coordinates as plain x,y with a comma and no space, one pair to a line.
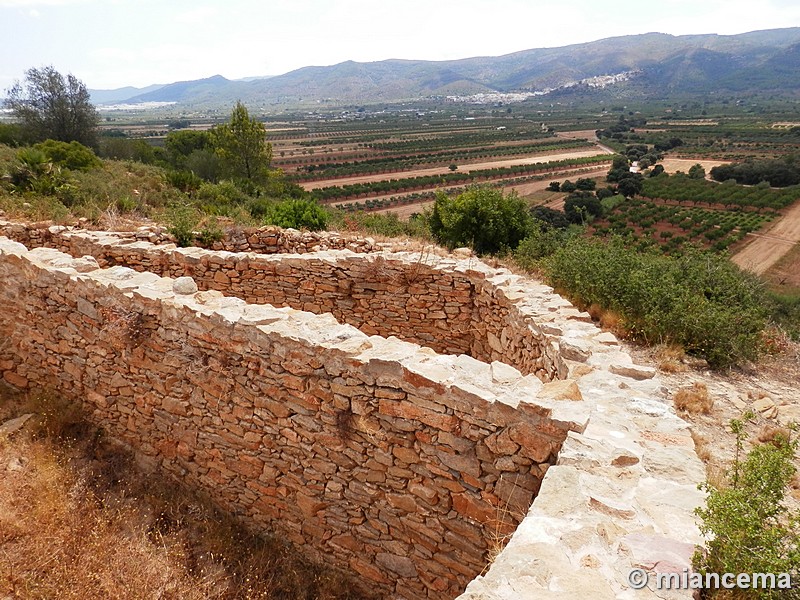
608,319
694,399
701,447
670,359
772,434
79,521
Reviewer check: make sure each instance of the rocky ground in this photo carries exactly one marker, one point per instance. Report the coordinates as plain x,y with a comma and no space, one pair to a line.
769,389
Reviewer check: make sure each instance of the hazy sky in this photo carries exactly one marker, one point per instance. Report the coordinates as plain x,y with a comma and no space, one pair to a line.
113,43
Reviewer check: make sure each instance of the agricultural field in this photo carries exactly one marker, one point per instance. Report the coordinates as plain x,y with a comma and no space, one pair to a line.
673,226
396,158
396,161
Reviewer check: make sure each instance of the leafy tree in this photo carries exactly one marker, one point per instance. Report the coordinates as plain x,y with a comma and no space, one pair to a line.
554,186
568,186
697,172
631,185
620,168
580,207
181,144
204,164
551,217
605,192
49,106
242,146
482,218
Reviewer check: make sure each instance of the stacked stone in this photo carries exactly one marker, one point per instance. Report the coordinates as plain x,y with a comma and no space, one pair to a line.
454,307
400,464
263,240
407,465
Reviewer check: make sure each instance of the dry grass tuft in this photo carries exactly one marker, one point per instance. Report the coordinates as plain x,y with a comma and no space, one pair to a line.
694,400
701,447
613,322
772,434
595,311
670,359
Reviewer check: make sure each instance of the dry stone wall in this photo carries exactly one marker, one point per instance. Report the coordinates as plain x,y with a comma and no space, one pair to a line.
393,461
404,466
451,306
264,240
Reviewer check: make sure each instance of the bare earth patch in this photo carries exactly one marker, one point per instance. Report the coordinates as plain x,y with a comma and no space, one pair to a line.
767,248
672,165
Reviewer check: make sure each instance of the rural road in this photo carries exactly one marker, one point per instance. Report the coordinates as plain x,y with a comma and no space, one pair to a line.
766,249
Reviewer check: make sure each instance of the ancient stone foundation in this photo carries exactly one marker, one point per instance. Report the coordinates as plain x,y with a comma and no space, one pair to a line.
406,451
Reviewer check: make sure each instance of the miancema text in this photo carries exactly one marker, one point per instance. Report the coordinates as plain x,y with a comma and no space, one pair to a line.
727,581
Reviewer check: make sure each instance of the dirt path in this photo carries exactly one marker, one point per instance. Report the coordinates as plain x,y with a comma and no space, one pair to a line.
766,249
530,160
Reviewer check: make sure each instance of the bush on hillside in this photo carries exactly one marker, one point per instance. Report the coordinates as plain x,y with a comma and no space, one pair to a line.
750,528
298,214
699,300
481,217
543,241
73,155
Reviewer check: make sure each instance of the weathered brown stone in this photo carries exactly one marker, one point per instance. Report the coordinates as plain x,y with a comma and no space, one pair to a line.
16,380
532,443
565,389
473,508
410,411
401,565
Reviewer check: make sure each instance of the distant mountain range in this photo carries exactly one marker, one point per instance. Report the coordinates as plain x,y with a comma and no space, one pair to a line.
647,65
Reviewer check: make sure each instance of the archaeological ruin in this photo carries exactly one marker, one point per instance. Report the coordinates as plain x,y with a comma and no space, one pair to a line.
437,427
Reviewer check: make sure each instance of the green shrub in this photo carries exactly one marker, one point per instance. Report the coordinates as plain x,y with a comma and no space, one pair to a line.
36,173
581,207
210,232
385,224
73,155
698,300
541,242
185,181
750,530
182,219
298,214
220,198
482,218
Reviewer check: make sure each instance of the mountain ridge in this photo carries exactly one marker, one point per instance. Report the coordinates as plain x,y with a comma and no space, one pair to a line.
666,63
